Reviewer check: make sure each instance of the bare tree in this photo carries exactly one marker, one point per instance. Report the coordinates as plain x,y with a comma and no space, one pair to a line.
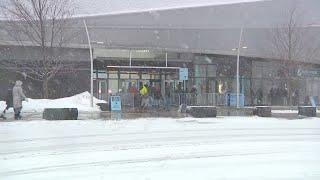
41,24
290,43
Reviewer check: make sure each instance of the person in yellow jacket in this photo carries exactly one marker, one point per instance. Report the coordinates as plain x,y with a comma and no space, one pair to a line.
144,90
145,99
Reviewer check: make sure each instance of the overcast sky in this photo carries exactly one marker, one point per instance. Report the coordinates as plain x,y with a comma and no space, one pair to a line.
86,7
96,7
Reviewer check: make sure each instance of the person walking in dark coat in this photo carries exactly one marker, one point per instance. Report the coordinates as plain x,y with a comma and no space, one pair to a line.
157,96
18,97
194,93
259,95
9,103
295,97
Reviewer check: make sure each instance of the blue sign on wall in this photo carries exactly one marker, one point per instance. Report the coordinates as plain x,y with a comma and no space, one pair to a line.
115,103
183,74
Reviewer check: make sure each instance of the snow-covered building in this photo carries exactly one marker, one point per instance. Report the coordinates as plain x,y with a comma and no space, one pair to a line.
201,36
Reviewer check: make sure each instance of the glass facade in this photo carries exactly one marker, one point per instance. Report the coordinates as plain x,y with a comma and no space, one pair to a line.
261,81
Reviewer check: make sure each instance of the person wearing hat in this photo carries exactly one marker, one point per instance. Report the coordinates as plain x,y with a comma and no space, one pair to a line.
18,97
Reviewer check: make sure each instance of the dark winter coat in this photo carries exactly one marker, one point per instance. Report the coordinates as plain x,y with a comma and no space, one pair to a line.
193,91
259,94
9,98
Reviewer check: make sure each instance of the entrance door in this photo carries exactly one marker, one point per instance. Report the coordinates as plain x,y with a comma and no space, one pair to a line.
102,89
113,86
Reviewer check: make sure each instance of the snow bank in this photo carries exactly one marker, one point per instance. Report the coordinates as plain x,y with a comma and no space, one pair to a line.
80,101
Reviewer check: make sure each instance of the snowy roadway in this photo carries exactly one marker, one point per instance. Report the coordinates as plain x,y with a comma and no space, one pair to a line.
157,149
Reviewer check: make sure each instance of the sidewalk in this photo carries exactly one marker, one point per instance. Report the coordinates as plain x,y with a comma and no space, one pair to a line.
85,115
277,112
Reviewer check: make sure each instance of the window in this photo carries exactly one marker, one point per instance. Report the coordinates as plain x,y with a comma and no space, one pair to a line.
212,70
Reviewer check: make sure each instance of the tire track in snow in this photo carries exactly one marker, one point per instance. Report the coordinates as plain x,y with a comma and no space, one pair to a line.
203,155
150,133
110,145
140,146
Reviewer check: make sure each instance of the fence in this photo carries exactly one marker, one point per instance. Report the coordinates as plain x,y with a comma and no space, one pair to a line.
130,101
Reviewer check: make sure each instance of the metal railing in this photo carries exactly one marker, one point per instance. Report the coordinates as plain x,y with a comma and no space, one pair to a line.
131,101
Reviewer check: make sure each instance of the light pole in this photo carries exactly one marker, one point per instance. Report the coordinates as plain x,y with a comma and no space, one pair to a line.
238,66
91,64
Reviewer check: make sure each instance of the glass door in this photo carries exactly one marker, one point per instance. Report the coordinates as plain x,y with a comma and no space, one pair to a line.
102,89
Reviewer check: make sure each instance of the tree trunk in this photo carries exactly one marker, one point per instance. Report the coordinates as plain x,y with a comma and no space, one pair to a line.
289,98
45,89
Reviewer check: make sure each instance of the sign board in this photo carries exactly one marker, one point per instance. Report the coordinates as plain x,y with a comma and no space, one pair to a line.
309,73
183,74
99,74
115,103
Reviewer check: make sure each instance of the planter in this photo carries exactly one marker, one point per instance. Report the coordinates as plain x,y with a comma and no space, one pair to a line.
60,114
263,111
202,111
307,111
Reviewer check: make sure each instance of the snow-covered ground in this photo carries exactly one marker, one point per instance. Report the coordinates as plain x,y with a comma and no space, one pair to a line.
157,149
80,101
285,111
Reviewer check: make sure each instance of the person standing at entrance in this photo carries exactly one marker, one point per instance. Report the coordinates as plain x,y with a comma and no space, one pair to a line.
157,96
259,95
151,93
18,97
144,97
295,97
133,92
182,95
167,95
284,94
272,95
132,89
9,103
193,93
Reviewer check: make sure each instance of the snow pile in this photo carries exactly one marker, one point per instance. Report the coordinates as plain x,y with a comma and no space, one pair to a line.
80,101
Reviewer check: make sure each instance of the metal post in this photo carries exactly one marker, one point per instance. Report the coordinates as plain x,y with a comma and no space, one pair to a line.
238,69
91,63
130,57
166,59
